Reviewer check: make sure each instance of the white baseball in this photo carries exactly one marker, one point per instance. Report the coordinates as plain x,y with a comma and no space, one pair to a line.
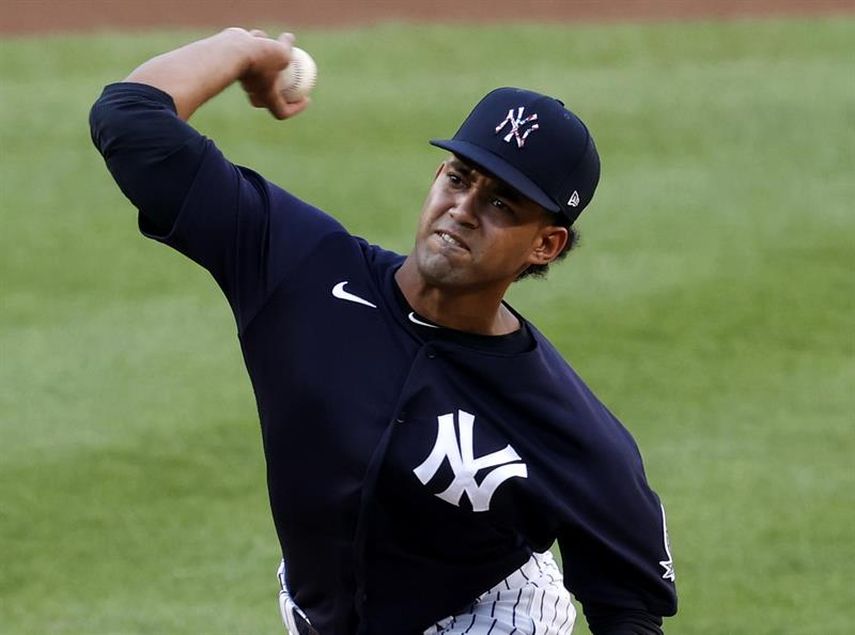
299,76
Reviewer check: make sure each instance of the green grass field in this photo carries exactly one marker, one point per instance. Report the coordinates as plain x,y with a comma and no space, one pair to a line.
711,306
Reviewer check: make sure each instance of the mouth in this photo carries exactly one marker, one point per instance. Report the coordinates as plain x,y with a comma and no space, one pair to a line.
452,240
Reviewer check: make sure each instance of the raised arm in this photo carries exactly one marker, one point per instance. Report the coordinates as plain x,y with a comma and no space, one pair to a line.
195,73
139,125
188,194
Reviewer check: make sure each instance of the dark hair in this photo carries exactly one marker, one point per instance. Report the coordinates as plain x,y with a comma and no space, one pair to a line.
540,271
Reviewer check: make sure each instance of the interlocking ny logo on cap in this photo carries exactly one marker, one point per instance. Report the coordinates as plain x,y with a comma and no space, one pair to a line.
517,123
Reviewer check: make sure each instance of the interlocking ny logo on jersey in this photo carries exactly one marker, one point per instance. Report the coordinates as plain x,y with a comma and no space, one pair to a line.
517,124
461,457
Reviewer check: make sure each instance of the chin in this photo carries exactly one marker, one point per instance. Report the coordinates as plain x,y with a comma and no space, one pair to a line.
437,270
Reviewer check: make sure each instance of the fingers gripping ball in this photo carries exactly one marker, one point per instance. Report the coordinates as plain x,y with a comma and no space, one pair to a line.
298,78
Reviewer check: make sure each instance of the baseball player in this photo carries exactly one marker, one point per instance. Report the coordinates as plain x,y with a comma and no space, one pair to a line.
425,443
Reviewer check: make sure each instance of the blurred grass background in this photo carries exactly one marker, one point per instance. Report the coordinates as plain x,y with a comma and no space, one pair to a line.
711,306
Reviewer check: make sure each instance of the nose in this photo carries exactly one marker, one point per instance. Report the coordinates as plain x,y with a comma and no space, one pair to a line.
464,209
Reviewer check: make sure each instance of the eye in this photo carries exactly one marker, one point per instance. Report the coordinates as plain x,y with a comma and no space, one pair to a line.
453,178
501,204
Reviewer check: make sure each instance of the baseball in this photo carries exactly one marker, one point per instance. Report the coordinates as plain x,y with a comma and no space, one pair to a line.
299,76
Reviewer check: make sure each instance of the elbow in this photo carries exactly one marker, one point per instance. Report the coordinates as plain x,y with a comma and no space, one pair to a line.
106,122
127,109
109,119
97,116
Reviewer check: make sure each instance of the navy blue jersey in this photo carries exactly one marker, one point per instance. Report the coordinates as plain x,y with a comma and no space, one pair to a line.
409,467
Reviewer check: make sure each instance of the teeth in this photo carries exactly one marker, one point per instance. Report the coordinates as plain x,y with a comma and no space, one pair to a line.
450,240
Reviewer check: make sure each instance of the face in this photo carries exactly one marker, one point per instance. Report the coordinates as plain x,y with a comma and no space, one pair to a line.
476,232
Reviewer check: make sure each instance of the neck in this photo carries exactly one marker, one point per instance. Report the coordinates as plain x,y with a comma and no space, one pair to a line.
477,311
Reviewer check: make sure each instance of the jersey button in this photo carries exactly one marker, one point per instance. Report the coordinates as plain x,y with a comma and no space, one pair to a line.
431,354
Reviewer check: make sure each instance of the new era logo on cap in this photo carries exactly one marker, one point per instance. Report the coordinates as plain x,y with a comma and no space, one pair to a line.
535,145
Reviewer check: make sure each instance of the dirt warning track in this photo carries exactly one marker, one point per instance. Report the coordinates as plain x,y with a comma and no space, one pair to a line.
46,16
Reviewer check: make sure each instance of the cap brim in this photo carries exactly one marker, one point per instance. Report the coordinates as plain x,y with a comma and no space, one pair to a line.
499,168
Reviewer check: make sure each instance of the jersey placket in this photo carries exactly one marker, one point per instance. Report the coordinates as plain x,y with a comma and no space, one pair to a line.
426,355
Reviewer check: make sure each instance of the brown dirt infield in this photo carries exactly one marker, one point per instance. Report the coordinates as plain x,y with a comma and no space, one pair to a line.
46,16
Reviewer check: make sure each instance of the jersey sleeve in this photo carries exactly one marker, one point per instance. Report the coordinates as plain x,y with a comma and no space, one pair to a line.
614,545
247,232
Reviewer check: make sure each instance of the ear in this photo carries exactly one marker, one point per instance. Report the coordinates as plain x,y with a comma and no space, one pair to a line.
549,244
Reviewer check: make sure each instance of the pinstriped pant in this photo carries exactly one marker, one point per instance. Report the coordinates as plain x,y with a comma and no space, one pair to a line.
530,601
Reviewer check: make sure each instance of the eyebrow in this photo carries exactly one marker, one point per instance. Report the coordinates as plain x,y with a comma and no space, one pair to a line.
501,188
460,165
506,191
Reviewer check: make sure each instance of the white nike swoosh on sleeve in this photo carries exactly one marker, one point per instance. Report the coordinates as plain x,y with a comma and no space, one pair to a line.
339,292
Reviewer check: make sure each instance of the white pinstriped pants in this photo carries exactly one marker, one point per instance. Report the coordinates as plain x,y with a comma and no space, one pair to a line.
530,601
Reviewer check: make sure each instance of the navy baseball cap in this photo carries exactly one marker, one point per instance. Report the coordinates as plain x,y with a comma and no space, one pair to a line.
534,144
